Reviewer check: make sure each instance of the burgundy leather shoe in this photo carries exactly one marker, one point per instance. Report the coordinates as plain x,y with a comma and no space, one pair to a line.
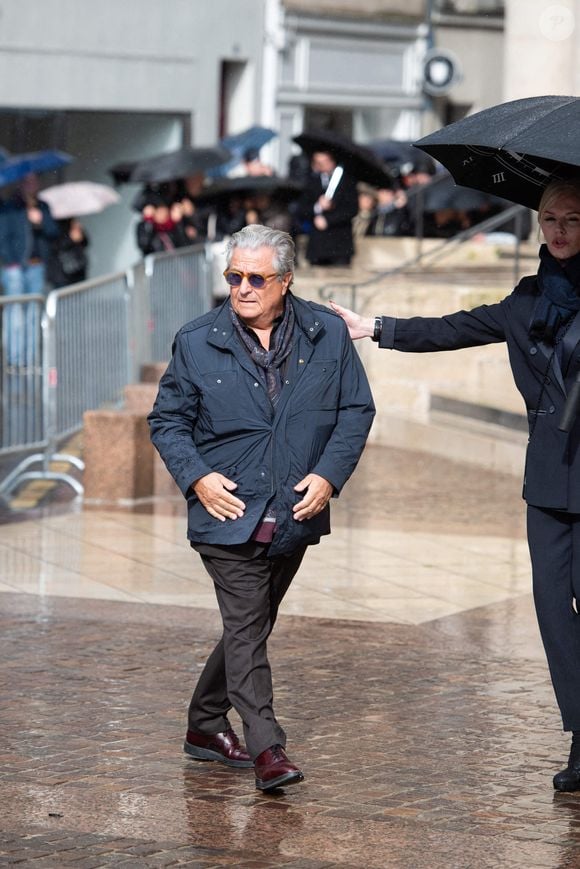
224,747
274,769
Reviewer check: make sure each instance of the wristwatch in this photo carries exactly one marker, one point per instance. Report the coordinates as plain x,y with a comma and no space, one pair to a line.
378,330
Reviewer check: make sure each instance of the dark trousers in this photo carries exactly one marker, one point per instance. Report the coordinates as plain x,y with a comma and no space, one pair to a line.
249,587
554,541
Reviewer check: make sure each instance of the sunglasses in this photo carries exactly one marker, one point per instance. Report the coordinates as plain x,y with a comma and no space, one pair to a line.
255,279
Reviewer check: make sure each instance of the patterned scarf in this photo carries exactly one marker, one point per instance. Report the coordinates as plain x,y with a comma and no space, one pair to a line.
560,299
268,362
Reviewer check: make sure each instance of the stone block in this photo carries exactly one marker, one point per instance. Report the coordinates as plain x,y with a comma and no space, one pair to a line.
119,457
152,372
139,397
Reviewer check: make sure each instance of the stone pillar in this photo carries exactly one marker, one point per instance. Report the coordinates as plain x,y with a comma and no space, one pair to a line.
119,457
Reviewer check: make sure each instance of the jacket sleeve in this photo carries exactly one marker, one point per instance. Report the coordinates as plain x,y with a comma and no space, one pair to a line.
485,324
145,233
48,227
356,411
173,420
345,204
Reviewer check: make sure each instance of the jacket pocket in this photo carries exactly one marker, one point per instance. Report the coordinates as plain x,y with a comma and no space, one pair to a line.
319,387
220,399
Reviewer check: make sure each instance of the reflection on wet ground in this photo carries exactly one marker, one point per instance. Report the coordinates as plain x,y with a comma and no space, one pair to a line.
408,674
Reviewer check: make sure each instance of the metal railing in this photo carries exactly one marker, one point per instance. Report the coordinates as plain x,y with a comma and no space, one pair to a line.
174,301
515,212
84,344
21,372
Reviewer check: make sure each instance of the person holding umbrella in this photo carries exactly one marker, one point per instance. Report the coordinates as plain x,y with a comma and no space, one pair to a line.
330,199
69,262
327,208
27,230
540,323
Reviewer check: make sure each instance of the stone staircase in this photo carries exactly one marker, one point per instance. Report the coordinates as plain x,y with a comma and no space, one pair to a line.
461,405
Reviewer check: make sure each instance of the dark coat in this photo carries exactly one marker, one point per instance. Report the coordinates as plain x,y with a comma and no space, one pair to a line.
212,413
17,233
336,242
151,240
552,474
69,262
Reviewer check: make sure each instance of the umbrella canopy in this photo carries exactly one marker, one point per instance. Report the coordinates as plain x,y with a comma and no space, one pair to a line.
512,150
356,160
442,193
15,167
253,138
402,156
281,189
121,172
178,164
78,198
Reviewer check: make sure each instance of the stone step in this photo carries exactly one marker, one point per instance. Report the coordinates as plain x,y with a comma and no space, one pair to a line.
464,439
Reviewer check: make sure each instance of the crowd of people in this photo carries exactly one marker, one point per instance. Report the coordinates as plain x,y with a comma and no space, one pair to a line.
319,199
36,249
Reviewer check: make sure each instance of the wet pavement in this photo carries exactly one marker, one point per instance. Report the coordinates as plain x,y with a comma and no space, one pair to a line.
408,672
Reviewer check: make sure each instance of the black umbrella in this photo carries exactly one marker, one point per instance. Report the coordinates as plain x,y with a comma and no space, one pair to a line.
356,160
281,189
178,164
512,150
402,155
121,172
442,193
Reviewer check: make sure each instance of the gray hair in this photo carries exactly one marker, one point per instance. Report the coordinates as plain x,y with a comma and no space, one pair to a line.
255,235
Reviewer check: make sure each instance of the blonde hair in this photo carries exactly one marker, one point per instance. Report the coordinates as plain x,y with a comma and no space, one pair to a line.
555,189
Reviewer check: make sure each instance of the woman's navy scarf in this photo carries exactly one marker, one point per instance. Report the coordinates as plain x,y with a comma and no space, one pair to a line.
560,299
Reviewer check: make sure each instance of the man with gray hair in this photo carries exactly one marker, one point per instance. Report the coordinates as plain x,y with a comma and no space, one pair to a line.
261,417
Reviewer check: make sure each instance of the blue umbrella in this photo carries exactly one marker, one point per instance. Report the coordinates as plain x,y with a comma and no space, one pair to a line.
14,167
253,138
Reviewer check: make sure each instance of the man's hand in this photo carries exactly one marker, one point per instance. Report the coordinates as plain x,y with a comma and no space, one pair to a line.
320,222
214,492
318,494
358,327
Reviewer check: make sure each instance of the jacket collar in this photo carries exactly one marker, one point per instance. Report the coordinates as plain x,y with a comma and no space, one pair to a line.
221,330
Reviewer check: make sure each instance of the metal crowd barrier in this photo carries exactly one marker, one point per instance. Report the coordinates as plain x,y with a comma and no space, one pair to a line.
173,279
82,345
21,372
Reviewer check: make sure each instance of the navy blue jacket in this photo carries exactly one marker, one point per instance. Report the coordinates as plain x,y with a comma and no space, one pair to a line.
212,413
552,474
16,232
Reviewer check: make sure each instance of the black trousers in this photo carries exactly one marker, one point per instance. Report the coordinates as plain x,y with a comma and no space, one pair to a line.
249,587
554,542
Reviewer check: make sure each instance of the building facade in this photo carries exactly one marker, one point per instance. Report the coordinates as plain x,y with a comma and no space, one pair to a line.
353,67
114,81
